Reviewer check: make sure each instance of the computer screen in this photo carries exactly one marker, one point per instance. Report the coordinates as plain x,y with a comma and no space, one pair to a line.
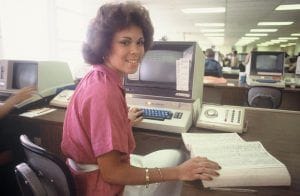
167,69
158,66
24,74
267,63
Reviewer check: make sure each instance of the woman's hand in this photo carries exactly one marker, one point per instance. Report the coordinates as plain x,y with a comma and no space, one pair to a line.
135,115
198,168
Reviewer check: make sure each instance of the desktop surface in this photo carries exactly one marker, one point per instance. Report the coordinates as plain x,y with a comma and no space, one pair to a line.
277,130
235,93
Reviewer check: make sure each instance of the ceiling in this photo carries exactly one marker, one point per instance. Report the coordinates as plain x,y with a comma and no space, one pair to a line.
240,16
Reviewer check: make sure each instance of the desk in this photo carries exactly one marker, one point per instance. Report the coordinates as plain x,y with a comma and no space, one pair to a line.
278,130
236,94
230,73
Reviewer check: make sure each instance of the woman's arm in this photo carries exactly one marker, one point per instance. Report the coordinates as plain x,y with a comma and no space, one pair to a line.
114,170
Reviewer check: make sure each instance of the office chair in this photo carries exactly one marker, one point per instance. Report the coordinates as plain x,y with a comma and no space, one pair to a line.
264,97
43,173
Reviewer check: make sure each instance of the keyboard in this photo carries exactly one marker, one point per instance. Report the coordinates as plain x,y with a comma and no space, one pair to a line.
156,114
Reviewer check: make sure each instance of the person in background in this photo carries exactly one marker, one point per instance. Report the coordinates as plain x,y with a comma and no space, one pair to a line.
20,96
248,59
234,60
212,67
97,133
7,177
292,64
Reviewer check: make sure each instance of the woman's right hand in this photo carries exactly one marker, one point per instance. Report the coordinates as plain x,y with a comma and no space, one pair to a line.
198,168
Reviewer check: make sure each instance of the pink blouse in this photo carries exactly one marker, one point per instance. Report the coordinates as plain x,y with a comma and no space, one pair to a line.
96,122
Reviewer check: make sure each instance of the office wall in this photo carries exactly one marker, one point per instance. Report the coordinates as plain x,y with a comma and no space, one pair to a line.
25,33
1,50
44,30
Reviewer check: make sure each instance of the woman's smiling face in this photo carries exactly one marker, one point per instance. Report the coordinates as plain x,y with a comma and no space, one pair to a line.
127,50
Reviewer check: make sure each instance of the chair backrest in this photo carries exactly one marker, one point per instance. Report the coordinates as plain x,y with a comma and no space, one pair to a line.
264,97
52,173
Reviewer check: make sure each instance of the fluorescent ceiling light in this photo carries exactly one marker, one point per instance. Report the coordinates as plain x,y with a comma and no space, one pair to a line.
283,40
288,7
288,38
209,24
262,30
275,41
203,10
256,34
278,40
243,42
295,34
250,38
291,44
212,30
214,34
264,45
274,23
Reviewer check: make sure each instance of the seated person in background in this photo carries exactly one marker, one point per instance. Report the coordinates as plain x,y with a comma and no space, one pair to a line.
291,64
212,67
226,62
7,178
20,96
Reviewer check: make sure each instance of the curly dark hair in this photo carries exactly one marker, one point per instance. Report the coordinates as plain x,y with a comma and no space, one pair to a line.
110,19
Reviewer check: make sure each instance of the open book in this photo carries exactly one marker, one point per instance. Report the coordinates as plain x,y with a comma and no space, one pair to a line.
243,163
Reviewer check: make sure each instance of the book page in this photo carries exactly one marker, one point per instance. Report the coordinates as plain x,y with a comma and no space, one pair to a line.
207,139
237,155
243,164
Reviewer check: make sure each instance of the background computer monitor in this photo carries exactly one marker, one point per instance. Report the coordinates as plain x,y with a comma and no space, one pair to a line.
46,76
158,74
16,74
267,63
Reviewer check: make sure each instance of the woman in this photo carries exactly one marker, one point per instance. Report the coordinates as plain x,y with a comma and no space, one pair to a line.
97,135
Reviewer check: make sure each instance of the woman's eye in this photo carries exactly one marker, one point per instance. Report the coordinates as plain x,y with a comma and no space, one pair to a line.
141,42
125,43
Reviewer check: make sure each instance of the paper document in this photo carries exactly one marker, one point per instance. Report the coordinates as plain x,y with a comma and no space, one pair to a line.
197,139
243,163
182,74
37,112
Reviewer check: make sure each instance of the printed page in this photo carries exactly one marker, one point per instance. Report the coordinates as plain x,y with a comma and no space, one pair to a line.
206,139
243,164
182,74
